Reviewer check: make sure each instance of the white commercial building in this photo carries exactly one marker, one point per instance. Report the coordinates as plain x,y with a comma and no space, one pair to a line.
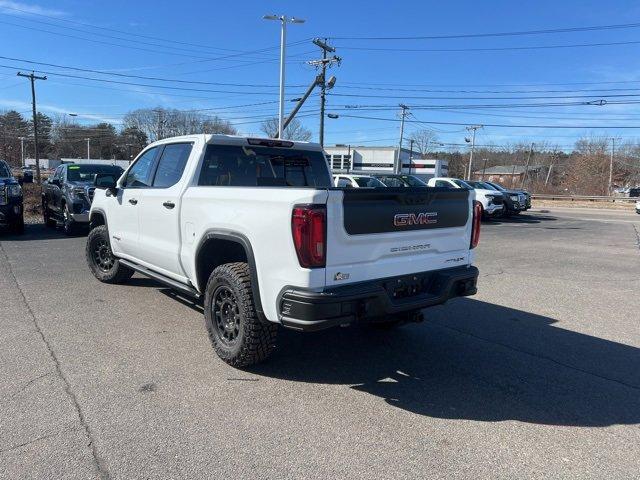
369,160
51,164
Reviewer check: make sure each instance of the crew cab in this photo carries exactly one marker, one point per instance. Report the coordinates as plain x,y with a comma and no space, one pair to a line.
67,194
256,228
492,201
11,201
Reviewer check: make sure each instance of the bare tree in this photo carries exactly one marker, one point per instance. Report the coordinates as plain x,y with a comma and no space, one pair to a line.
422,140
159,123
294,131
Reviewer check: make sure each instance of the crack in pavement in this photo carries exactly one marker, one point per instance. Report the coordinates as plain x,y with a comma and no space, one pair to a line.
30,382
98,462
37,439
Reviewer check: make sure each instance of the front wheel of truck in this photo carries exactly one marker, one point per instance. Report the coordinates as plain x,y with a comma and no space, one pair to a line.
103,264
237,333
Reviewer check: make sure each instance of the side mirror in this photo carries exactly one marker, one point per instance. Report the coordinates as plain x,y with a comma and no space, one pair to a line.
55,181
106,181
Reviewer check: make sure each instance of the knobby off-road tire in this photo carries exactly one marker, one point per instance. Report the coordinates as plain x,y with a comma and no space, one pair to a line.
18,227
68,225
104,266
237,334
46,216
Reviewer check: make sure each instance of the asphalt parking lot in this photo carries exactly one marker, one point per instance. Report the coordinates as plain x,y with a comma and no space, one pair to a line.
537,376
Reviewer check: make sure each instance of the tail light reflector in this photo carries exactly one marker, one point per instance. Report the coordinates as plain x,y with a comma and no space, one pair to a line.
309,230
475,225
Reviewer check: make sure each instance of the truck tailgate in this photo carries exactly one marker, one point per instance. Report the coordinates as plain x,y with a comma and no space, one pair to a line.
379,233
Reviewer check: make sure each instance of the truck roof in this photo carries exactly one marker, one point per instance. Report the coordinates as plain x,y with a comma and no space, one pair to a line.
235,140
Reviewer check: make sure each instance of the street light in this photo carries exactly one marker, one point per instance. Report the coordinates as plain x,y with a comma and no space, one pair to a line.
333,115
283,40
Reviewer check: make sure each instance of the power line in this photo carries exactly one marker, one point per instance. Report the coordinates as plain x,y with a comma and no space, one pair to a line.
199,57
168,87
605,127
501,34
489,49
142,77
75,22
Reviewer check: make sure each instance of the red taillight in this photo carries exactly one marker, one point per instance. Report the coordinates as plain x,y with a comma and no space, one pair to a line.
309,227
475,225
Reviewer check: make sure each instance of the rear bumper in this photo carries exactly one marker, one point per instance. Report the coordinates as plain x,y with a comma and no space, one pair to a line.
377,299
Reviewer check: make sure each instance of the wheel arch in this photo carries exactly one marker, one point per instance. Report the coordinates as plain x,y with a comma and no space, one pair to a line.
97,218
217,247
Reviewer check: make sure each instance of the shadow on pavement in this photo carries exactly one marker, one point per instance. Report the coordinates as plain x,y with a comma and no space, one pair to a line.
474,361
33,231
521,218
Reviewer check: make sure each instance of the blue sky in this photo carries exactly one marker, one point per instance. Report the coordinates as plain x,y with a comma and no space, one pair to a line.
185,41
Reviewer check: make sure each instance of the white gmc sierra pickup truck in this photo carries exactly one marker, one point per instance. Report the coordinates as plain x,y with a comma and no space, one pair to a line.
256,228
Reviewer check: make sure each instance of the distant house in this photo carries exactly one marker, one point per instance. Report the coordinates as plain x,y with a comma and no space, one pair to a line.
509,174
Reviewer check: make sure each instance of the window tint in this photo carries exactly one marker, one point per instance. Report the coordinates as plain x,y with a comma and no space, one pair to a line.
138,175
86,173
442,183
257,166
413,181
171,164
4,170
344,182
392,182
369,182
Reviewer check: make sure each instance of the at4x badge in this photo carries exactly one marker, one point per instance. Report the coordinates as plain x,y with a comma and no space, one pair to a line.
406,219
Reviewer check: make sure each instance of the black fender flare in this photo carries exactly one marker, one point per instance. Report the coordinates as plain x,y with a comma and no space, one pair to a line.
101,212
242,240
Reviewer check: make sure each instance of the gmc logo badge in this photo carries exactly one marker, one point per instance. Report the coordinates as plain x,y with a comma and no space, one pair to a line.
407,219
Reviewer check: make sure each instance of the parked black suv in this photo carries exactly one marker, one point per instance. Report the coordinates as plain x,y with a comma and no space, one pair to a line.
515,201
11,200
67,194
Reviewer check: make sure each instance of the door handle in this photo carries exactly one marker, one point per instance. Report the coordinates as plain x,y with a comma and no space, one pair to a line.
168,205
133,201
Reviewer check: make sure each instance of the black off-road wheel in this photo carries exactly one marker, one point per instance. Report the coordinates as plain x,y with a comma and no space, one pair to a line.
237,334
18,227
46,216
104,266
68,225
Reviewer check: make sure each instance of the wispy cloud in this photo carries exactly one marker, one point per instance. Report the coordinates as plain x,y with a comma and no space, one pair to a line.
25,107
24,9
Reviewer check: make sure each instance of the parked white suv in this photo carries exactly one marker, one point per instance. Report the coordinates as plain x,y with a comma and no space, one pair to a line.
492,201
256,227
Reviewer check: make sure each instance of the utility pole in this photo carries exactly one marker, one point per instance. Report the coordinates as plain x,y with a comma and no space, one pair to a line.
526,167
22,151
546,182
473,145
324,63
283,19
398,164
31,76
613,147
484,168
88,148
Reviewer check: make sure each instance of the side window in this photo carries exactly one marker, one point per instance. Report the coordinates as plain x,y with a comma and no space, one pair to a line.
171,164
139,174
344,182
442,183
57,175
392,182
